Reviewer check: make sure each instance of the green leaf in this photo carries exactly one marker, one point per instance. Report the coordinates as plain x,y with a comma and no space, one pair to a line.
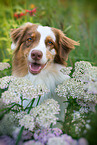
3,39
6,60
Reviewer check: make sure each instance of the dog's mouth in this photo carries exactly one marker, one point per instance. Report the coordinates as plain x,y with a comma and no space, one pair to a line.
36,68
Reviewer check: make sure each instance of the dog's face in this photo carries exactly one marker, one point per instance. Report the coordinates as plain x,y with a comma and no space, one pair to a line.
37,46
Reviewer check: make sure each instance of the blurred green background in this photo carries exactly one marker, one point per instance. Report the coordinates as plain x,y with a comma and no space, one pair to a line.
76,18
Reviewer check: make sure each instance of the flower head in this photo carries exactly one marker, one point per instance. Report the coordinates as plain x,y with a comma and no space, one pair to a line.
45,113
85,72
28,122
4,66
20,14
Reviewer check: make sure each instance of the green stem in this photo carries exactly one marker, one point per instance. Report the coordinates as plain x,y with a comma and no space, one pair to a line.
38,100
28,105
31,106
19,135
6,111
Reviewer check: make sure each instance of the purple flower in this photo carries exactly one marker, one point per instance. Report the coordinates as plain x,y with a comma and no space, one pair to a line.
57,131
43,135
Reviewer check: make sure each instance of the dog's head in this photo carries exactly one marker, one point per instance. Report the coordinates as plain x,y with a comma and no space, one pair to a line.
37,46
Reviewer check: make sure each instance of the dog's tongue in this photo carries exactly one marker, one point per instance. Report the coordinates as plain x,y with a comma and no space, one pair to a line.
35,68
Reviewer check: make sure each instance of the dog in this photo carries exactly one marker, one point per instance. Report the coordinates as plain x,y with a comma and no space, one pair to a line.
40,52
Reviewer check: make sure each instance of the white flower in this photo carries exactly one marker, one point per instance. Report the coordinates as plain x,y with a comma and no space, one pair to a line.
42,89
66,70
57,141
62,140
88,126
91,88
76,116
72,88
45,113
83,85
4,82
4,66
28,122
85,72
19,87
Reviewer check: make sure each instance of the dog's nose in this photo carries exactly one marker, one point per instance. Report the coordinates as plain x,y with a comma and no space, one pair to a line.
36,55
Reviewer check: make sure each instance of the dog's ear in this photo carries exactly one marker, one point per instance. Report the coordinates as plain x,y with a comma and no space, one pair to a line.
65,45
17,33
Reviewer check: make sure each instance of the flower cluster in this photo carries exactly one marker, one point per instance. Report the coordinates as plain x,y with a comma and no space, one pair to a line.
28,122
43,115
51,136
43,135
31,13
83,85
85,72
70,88
19,88
4,66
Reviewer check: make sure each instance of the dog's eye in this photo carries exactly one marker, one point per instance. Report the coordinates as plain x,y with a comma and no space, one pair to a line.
30,39
50,43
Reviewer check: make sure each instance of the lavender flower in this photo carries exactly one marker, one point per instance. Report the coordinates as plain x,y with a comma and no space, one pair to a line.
43,135
32,142
4,66
6,140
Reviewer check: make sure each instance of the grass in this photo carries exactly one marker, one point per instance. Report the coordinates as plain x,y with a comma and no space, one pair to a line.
75,18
